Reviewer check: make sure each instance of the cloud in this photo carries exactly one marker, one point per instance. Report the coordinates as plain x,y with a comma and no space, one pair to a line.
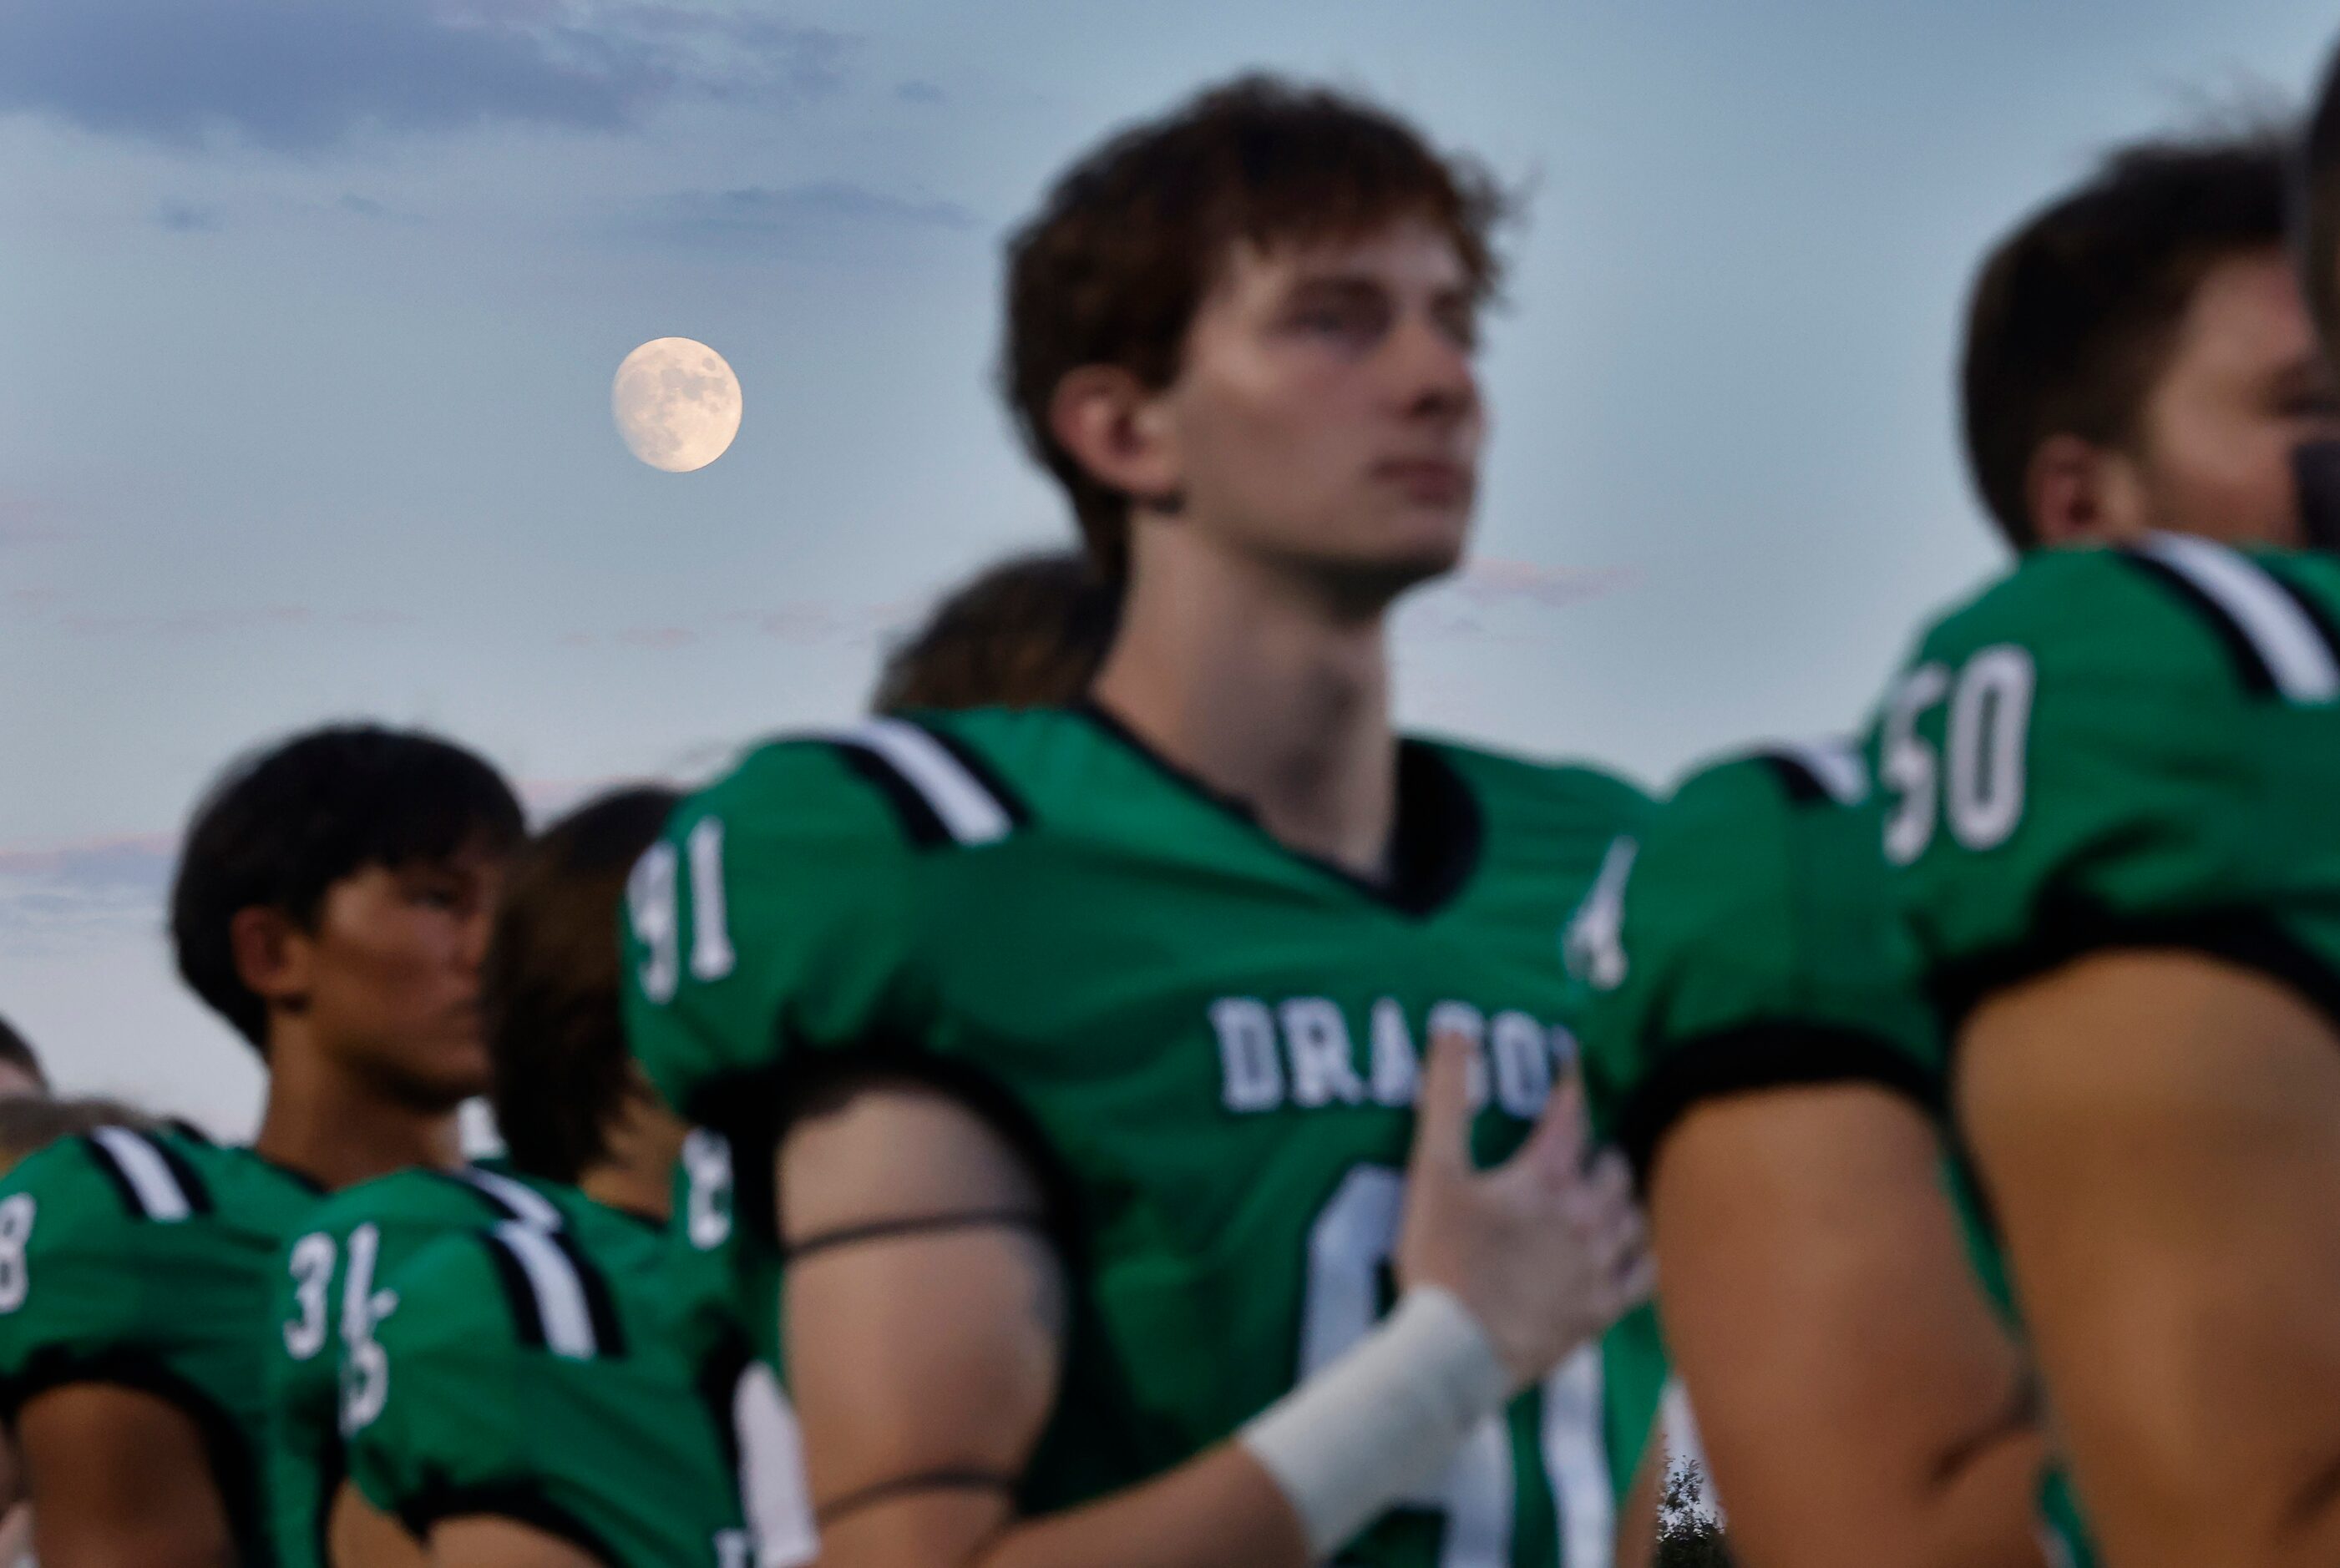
50,894
1495,580
185,218
920,92
823,209
298,75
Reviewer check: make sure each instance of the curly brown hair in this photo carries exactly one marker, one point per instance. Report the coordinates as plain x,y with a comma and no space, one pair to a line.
1026,631
1112,268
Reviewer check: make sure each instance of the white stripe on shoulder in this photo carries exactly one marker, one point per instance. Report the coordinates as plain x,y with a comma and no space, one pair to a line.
524,1202
2295,652
560,1302
967,809
151,1179
1835,763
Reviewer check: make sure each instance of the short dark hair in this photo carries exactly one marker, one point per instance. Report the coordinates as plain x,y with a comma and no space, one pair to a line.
1127,243
549,984
1026,631
2074,315
17,1052
282,825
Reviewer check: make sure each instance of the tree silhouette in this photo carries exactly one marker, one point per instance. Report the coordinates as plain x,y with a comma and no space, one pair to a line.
1689,1535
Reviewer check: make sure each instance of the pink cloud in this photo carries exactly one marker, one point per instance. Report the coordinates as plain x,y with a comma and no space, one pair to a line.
1496,580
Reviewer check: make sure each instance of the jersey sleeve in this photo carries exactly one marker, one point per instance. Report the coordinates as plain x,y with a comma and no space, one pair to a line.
101,1254
2131,748
1742,940
437,1420
772,920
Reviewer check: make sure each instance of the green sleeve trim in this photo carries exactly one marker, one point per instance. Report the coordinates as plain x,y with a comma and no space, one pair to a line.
1750,1058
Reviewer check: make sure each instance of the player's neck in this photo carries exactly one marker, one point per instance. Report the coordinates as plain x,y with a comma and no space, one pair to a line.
1266,692
645,1146
337,1128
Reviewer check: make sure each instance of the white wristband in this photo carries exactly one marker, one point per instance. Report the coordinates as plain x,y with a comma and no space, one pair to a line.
1382,1421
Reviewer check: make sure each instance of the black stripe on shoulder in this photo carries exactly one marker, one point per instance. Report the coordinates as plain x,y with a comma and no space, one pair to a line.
1750,1058
198,1196
519,1291
118,1179
2250,668
919,824
521,1502
980,768
1802,785
609,1334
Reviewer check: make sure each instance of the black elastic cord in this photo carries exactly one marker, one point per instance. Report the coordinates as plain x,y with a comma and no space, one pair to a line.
887,1230
923,1481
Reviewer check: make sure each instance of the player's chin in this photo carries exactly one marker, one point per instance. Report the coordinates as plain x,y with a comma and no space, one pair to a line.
441,1074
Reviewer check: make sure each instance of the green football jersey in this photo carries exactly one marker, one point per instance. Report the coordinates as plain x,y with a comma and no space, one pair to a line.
146,1259
1209,1043
1743,940
557,1377
2132,747
324,1367
321,1356
2121,748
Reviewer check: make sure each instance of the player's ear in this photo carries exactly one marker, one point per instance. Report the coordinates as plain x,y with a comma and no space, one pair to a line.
1119,428
2077,491
273,955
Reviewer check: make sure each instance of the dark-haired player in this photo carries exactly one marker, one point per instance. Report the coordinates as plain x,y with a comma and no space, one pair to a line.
1025,632
2137,359
2104,789
1090,1042
559,1394
331,903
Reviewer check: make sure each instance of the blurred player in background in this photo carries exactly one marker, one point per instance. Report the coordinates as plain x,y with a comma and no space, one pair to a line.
559,1394
1089,1040
2136,357
331,903
1026,631
2107,786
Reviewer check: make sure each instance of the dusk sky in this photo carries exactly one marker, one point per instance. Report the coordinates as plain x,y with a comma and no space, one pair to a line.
309,312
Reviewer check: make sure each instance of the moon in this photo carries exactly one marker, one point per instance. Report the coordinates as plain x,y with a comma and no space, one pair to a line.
677,404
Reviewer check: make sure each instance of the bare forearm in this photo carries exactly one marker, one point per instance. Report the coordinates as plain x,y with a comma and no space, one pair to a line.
1218,1508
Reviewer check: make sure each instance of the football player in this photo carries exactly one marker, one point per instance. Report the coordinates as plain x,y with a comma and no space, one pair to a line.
2137,359
1081,1050
2106,786
555,1392
331,903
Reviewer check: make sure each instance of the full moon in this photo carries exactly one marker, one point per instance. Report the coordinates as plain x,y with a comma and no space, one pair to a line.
677,404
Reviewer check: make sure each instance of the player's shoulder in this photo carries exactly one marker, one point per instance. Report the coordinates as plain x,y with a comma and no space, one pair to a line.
474,1194
1567,796
1761,788
2168,607
449,1294
896,783
518,1287
144,1176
